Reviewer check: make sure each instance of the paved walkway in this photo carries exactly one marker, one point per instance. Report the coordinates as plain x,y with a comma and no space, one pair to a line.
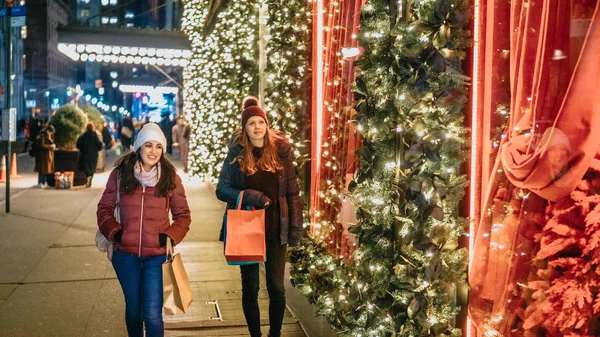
54,282
26,178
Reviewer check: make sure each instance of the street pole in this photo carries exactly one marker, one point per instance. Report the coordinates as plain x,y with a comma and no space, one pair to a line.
8,90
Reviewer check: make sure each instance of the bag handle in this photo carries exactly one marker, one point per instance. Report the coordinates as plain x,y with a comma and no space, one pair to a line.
239,200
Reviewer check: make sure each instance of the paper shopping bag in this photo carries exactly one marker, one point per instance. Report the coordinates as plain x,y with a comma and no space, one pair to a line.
234,260
177,294
245,234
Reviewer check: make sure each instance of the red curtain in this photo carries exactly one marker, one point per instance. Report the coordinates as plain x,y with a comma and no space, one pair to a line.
540,69
337,142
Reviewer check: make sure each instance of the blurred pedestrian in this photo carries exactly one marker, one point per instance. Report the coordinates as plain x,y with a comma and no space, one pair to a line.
107,137
126,130
166,125
44,155
88,145
34,127
22,128
259,163
181,135
147,182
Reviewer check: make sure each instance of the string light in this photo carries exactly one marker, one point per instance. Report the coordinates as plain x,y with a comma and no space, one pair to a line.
394,114
289,41
220,74
223,71
129,55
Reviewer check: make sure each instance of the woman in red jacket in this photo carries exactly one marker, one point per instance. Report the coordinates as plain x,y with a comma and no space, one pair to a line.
149,188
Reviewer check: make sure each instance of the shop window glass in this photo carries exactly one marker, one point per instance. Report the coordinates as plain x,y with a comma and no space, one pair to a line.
538,170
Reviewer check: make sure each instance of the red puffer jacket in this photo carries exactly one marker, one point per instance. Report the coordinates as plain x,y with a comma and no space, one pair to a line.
143,217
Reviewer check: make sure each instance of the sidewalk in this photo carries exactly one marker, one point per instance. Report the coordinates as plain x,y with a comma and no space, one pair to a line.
55,283
27,178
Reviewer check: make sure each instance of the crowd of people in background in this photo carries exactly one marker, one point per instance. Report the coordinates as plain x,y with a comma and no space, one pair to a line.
40,136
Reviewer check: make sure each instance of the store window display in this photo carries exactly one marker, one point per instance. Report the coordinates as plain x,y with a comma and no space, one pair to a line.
535,245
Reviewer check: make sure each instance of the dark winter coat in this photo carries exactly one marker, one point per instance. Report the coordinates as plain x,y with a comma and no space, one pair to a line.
44,155
88,145
143,217
107,137
231,182
126,123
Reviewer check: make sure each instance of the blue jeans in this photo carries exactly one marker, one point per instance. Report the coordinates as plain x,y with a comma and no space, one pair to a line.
141,280
42,178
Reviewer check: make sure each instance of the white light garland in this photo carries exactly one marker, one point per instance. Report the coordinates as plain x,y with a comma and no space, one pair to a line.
221,73
125,54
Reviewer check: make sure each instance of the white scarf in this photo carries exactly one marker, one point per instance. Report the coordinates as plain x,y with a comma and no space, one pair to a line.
148,179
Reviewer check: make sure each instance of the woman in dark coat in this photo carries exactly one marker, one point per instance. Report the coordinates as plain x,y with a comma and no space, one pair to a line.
107,136
88,145
44,155
259,162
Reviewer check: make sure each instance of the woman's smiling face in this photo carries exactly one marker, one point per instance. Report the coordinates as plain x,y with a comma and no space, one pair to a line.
150,152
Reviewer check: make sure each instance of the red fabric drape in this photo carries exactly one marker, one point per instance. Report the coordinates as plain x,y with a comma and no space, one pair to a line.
551,104
552,135
341,20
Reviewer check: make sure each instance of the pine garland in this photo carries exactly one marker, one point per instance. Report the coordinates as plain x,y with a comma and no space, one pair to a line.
409,94
222,72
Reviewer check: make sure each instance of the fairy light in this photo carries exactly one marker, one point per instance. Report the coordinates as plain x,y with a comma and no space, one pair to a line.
319,78
218,77
129,55
214,81
372,195
474,139
287,61
331,111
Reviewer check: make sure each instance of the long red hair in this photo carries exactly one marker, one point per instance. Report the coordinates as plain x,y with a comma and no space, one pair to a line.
269,161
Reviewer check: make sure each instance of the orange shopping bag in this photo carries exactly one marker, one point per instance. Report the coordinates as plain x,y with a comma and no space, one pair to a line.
245,234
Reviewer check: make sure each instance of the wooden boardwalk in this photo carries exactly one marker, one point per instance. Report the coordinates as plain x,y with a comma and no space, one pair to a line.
212,280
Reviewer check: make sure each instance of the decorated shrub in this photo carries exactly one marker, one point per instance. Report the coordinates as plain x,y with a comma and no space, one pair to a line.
93,116
69,122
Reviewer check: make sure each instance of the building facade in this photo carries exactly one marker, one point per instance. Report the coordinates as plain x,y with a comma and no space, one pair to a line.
49,74
16,68
101,80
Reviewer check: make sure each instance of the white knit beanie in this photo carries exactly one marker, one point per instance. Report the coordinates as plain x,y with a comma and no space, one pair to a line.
149,132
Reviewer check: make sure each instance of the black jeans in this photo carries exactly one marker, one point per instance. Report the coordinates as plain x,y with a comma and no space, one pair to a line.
275,270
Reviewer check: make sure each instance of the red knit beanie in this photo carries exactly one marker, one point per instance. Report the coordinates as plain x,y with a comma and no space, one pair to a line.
252,109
